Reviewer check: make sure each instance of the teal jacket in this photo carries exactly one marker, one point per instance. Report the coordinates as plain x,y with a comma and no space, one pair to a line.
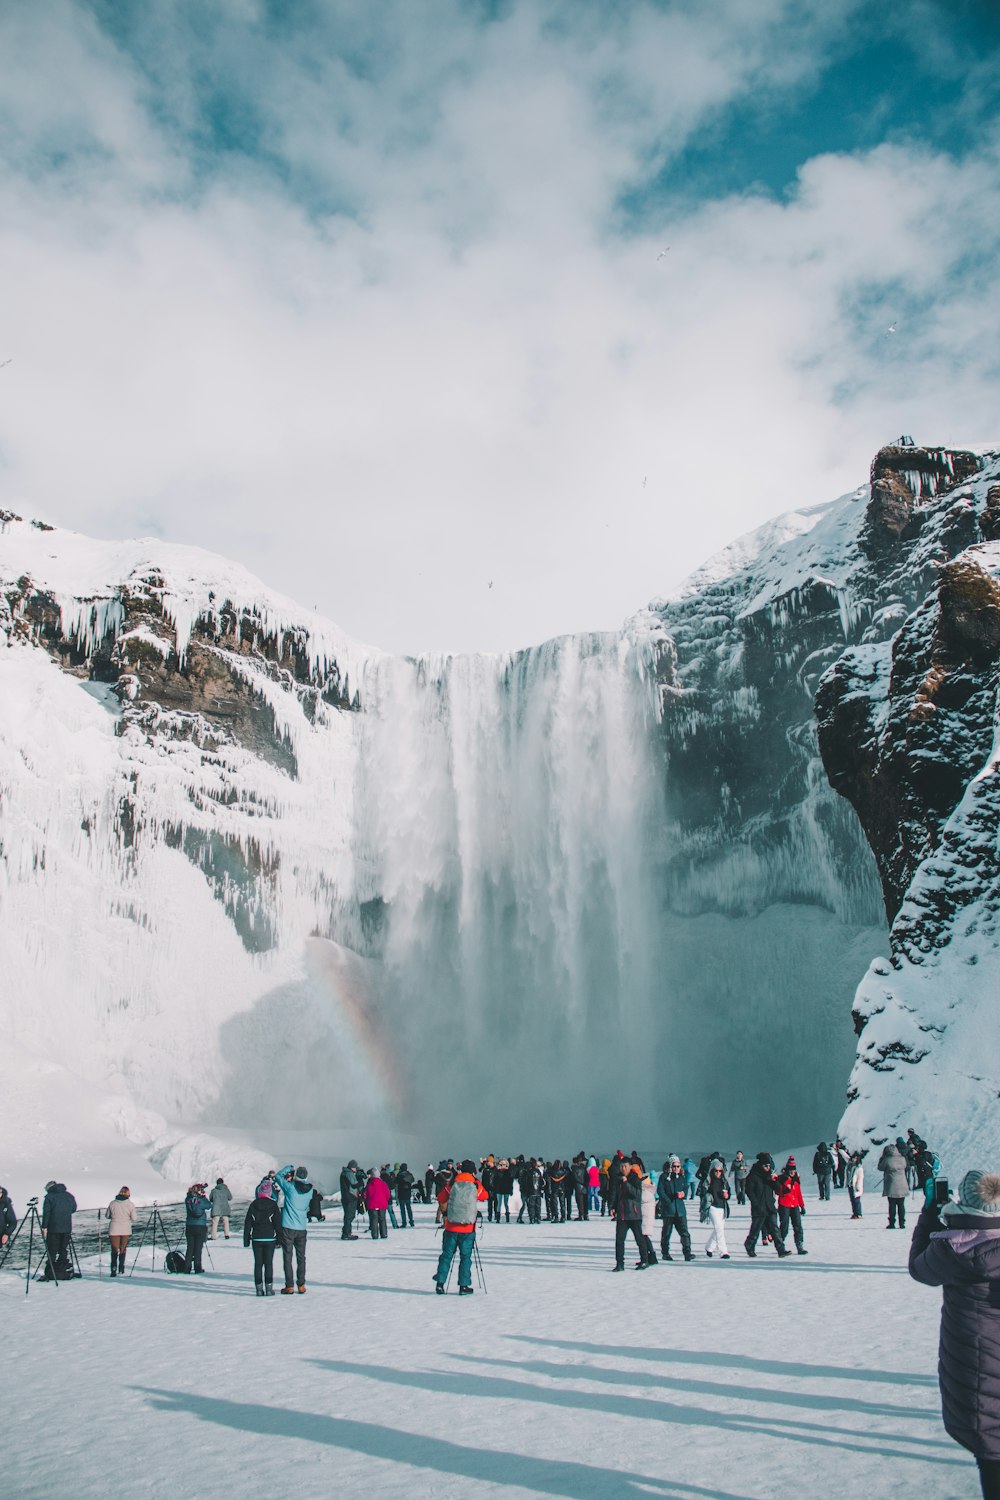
297,1193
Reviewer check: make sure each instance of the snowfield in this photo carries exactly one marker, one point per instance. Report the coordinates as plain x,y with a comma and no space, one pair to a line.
733,1380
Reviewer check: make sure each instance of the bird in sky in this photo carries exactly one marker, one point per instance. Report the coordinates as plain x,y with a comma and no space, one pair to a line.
663,252
891,329
490,584
6,362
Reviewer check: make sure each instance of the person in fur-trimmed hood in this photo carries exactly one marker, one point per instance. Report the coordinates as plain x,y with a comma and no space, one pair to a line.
957,1246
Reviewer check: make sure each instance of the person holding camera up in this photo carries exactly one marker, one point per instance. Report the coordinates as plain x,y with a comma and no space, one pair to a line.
196,1210
957,1246
220,1198
297,1191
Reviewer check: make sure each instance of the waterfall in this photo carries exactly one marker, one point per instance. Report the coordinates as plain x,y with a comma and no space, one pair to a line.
509,808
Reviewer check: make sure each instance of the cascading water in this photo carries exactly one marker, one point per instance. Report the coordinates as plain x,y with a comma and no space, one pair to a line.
509,812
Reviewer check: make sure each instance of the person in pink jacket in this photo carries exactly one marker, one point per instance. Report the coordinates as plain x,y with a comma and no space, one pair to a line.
121,1216
376,1202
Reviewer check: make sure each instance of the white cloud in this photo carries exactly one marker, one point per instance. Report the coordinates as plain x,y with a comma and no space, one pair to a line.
464,374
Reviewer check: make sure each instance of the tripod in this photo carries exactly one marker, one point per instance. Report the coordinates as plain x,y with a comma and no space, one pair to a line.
154,1227
479,1266
39,1253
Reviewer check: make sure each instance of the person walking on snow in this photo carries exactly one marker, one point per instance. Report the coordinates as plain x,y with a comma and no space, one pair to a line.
458,1206
349,1199
261,1228
404,1193
691,1176
716,1192
121,1217
593,1186
957,1246
739,1169
220,1198
823,1167
892,1165
791,1204
297,1194
671,1190
762,1187
628,1215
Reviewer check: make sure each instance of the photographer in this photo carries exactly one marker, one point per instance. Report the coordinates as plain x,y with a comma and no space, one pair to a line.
57,1230
957,1246
196,1209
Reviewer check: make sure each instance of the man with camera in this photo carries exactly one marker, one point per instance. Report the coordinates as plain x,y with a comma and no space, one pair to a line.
57,1230
297,1191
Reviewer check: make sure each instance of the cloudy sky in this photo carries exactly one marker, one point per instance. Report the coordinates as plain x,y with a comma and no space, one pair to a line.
393,300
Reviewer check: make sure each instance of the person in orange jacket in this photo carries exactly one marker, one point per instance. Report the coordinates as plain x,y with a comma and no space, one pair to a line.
458,1205
791,1204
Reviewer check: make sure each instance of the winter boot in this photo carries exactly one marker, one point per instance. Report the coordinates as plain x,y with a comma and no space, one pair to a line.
114,1262
269,1289
121,1264
439,1288
260,1290
288,1291
465,1291
302,1288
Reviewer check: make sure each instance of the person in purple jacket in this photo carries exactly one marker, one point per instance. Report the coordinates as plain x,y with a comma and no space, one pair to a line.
957,1246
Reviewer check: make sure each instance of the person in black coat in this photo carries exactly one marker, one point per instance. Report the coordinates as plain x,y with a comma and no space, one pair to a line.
8,1218
957,1246
58,1209
404,1194
762,1187
262,1229
580,1187
349,1199
628,1216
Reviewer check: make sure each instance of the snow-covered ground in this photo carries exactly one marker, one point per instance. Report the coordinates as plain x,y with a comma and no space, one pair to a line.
710,1381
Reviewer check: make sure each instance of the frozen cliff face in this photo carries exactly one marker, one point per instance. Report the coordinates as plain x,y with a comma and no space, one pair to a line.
256,877
908,726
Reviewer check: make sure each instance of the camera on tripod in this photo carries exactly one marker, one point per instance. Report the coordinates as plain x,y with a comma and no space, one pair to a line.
32,1202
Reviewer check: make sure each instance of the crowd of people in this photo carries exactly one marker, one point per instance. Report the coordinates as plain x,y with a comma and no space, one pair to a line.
955,1245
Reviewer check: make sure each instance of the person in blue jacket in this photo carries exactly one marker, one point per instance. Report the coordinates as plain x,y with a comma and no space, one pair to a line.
691,1176
297,1190
197,1208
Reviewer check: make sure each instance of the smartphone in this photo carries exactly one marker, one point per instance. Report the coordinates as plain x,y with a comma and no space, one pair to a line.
942,1193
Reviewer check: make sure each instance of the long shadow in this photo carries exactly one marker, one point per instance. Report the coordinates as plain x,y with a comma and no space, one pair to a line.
399,1291
763,1395
545,1476
493,1388
732,1361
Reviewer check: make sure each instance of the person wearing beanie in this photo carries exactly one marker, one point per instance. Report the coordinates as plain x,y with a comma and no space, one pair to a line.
791,1204
458,1206
628,1215
823,1169
261,1229
196,1208
739,1168
671,1193
855,1183
349,1198
892,1165
297,1191
762,1187
957,1246
376,1202
121,1217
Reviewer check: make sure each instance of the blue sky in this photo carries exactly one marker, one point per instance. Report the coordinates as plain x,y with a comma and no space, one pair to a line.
377,297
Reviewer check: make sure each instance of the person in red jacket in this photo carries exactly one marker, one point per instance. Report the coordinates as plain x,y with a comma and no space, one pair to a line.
791,1204
458,1205
376,1202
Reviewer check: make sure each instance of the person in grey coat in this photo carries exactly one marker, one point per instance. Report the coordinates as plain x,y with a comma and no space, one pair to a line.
957,1246
892,1165
220,1198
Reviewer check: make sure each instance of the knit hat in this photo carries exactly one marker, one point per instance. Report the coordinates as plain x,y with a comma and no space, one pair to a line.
765,1158
301,1172
978,1197
715,1165
352,1165
469,1166
49,1186
675,1161
264,1191
790,1162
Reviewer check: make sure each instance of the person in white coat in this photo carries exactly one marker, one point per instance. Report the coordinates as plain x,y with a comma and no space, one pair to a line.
855,1183
121,1217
